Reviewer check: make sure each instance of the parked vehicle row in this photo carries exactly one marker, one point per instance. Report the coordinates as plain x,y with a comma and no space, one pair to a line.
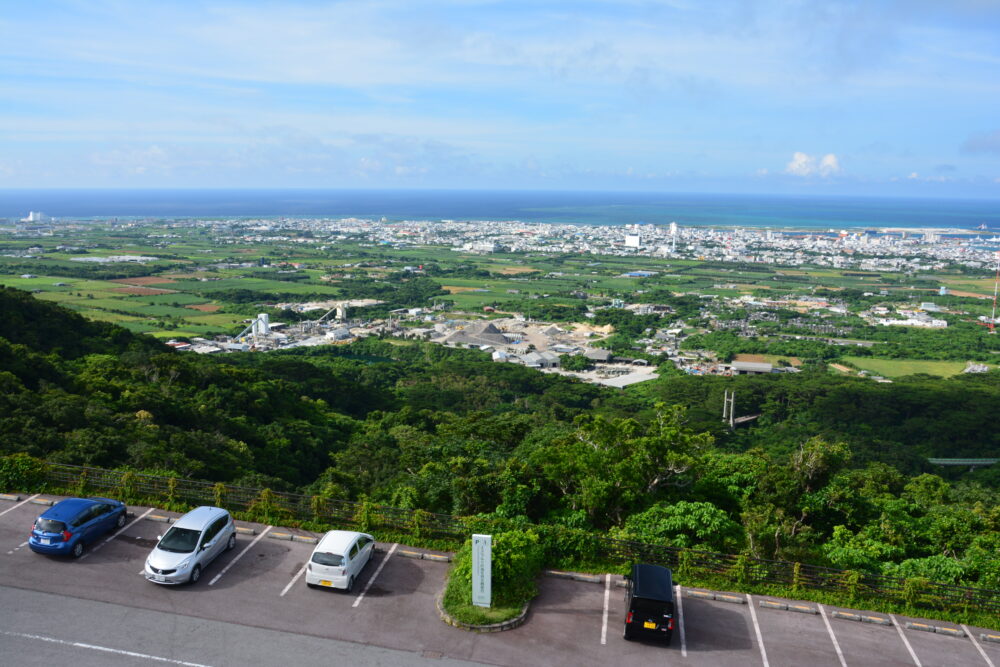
191,543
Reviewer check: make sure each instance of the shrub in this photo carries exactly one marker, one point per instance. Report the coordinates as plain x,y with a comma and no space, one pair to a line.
20,472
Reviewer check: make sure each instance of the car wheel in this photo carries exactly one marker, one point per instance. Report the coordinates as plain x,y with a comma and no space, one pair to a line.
121,520
626,635
232,542
77,550
195,574
350,585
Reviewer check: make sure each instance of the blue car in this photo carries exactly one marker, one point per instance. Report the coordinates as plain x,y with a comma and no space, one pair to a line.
70,524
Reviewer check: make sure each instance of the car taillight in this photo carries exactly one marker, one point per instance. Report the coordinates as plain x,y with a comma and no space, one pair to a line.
67,535
670,624
628,619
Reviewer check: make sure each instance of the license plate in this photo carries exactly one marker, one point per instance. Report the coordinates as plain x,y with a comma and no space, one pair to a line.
649,625
159,577
324,582
46,540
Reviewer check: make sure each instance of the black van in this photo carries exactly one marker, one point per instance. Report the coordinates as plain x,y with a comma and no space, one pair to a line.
649,603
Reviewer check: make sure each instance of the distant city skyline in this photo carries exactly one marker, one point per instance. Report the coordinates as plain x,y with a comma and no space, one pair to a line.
877,98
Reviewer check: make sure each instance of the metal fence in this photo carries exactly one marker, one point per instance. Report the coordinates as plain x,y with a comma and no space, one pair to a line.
745,570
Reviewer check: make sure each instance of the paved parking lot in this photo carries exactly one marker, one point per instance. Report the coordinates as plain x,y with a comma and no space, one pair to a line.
259,584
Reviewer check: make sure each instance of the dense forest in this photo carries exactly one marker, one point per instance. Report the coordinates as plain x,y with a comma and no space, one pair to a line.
832,472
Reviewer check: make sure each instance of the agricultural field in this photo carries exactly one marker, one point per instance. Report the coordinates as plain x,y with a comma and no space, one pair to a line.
893,368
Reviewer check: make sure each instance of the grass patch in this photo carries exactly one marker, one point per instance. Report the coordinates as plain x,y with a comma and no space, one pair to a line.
457,601
899,367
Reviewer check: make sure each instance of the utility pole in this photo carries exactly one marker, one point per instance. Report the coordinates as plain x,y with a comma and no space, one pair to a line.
729,407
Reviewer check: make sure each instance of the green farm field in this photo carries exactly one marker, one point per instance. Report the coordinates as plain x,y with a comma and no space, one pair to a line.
899,367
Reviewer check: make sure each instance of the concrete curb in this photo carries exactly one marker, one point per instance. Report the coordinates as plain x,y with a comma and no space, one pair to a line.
771,604
42,501
802,609
246,531
307,539
720,597
846,616
10,496
421,555
160,518
989,638
577,576
877,620
861,618
938,629
493,627
275,535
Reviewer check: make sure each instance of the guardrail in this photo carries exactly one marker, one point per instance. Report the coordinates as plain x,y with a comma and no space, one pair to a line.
276,506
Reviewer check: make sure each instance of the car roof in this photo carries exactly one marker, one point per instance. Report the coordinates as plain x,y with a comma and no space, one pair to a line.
652,582
67,509
199,517
337,541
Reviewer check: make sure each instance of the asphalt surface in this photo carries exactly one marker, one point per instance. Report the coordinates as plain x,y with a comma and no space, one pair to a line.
252,607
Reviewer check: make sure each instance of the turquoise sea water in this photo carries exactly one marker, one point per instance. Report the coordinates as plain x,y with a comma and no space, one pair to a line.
588,208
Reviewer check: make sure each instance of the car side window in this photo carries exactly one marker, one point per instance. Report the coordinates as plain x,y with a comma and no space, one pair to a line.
354,550
362,542
210,533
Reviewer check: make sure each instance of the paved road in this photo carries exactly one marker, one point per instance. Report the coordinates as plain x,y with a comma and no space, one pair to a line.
46,629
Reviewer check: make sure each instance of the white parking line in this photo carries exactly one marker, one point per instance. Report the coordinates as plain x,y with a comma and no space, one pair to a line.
978,647
23,502
17,548
117,533
105,649
385,560
607,597
829,628
902,635
756,628
294,579
239,556
680,621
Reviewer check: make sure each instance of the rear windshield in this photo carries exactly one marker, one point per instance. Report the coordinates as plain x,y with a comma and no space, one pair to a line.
648,606
49,526
321,558
179,540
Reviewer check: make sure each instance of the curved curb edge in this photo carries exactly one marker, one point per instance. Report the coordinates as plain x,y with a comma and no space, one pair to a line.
493,627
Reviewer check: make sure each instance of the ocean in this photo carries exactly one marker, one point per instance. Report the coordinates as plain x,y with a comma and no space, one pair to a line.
585,208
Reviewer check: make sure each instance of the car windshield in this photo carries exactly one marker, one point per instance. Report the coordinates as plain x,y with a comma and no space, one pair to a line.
325,558
179,540
49,525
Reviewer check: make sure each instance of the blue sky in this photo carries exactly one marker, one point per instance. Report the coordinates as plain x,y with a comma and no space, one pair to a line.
870,97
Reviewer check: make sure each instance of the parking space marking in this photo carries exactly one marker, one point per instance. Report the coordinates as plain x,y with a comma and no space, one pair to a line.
23,502
680,621
239,556
294,579
385,560
829,628
607,598
902,635
105,649
756,628
117,533
978,647
17,548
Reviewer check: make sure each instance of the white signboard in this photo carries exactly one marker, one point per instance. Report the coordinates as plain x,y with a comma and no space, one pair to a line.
482,569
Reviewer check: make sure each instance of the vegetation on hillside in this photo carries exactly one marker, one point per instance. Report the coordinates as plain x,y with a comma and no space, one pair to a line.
833,472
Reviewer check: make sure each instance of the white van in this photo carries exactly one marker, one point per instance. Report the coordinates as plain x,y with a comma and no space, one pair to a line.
194,541
338,559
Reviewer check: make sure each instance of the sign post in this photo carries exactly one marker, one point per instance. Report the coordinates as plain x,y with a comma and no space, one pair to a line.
482,569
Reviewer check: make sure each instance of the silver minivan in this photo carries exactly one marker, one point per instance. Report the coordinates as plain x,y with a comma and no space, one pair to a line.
338,559
194,541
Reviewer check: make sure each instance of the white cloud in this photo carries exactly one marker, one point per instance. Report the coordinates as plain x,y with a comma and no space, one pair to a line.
803,164
913,176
